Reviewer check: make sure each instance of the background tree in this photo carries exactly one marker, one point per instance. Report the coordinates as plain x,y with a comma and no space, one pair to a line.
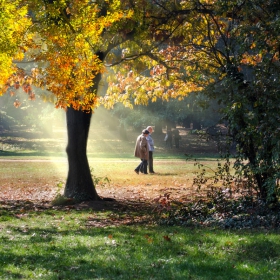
250,92
229,51
196,109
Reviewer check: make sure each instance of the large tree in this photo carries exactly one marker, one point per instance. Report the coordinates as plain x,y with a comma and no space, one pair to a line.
67,41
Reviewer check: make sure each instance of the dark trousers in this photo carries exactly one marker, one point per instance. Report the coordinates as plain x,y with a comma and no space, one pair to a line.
151,162
142,167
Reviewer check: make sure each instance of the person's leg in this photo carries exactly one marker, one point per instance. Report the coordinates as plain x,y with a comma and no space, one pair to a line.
145,165
138,168
142,166
151,162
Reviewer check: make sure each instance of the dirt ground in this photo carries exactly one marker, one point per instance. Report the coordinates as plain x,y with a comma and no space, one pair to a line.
140,188
137,190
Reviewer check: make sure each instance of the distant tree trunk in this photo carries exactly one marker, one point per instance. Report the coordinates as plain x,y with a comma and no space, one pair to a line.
79,184
170,124
158,128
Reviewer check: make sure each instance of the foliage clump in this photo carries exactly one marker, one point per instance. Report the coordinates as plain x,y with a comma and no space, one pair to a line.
219,210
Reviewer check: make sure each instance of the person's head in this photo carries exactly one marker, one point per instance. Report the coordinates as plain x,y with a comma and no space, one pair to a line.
145,132
150,129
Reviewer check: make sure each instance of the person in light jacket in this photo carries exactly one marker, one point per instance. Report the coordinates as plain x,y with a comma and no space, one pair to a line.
142,151
151,150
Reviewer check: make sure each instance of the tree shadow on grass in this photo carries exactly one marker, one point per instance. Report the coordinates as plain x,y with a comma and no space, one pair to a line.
123,212
124,243
125,253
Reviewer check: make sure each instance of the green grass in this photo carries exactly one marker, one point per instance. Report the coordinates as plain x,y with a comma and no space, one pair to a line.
55,244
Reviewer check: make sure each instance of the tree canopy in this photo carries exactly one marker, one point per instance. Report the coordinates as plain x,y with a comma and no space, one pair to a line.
68,40
65,40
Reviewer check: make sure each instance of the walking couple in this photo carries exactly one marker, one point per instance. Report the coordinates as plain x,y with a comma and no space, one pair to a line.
144,149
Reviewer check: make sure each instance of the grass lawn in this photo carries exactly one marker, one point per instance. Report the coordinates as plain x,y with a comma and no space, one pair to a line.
78,244
119,239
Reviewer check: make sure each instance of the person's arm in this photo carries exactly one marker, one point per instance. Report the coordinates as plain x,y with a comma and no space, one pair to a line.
151,142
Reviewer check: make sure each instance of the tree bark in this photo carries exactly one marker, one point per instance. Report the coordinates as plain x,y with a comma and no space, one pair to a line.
79,183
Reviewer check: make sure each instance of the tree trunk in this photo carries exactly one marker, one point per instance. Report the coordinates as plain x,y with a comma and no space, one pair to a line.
79,184
158,128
